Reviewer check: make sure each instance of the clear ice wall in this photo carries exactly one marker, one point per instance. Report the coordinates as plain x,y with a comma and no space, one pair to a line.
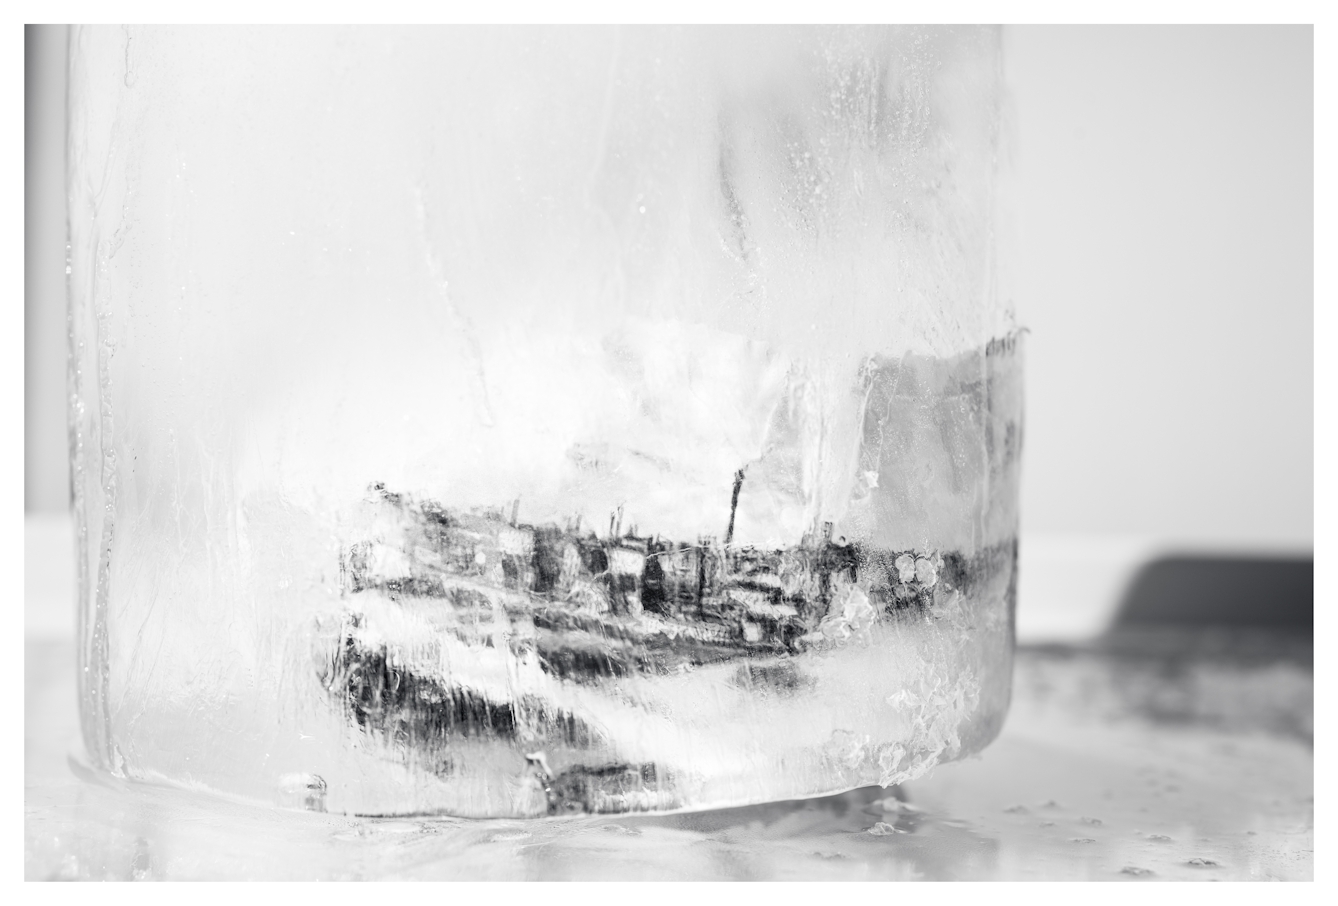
524,421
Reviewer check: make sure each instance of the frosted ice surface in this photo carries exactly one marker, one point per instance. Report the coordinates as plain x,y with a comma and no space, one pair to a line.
523,421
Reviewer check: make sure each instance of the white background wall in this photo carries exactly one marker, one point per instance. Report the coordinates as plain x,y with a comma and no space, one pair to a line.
1165,266
1163,261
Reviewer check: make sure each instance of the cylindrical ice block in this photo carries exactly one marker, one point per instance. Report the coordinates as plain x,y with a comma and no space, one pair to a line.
533,421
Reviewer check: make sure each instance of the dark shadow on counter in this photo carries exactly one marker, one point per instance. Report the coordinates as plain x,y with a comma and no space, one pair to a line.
1275,593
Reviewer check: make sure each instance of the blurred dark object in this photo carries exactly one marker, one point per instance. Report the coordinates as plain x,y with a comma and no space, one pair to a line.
1247,592
1221,643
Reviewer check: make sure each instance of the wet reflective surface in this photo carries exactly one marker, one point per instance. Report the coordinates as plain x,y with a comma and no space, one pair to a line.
1146,757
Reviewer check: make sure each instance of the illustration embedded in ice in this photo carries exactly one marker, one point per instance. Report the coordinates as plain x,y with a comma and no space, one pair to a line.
535,421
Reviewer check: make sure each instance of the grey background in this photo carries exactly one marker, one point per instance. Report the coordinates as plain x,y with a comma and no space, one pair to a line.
46,484
1162,259
1165,265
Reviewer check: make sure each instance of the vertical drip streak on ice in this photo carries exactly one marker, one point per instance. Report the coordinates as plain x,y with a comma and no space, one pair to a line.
605,118
92,432
991,301
74,419
464,327
616,281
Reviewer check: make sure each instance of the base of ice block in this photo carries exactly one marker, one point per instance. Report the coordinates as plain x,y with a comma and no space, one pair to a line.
406,654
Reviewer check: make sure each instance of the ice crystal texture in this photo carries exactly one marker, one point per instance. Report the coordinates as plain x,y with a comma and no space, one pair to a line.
528,421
